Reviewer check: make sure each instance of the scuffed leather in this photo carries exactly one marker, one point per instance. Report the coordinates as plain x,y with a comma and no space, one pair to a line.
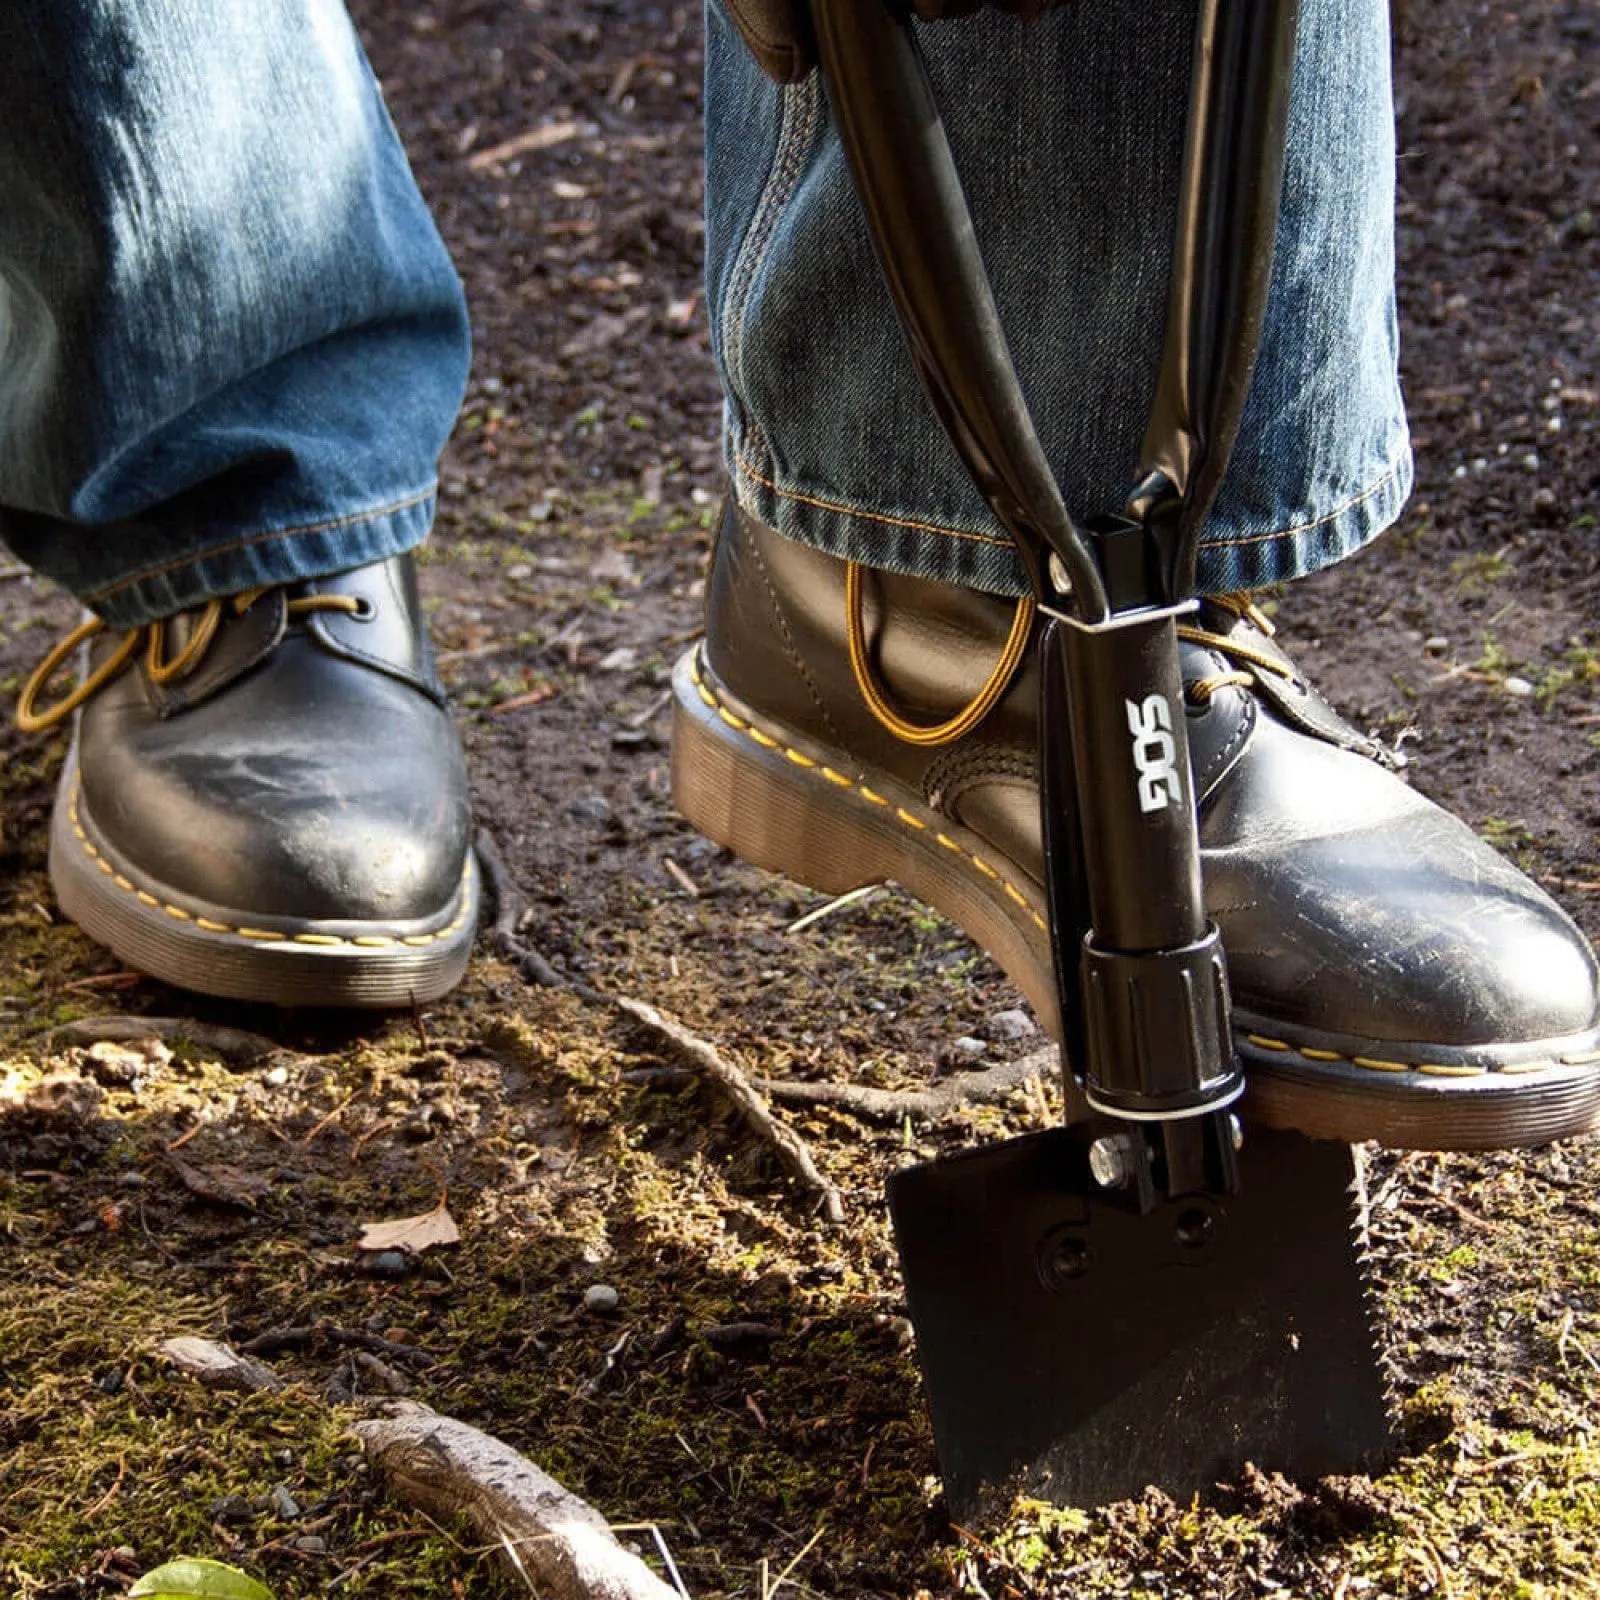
1348,903
778,32
310,783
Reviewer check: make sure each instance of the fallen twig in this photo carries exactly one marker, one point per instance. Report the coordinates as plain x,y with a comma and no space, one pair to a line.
555,1542
233,1045
541,138
887,1106
294,1338
509,904
702,1056
712,1065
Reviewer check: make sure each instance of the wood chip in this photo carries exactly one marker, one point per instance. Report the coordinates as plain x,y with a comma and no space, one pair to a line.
219,1366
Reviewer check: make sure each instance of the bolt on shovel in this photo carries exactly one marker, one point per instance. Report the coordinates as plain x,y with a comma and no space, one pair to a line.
1153,1293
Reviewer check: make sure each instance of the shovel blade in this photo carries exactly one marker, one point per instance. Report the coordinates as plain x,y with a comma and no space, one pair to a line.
1077,1352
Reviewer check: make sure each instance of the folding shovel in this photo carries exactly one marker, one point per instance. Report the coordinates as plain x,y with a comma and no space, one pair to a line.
1156,1294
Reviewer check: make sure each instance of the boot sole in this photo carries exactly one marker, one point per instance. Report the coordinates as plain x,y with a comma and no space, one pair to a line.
217,951
784,802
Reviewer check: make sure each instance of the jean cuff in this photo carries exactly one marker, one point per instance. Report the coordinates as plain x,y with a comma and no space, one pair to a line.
1230,559
267,557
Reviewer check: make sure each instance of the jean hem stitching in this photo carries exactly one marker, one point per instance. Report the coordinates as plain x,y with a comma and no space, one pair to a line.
194,557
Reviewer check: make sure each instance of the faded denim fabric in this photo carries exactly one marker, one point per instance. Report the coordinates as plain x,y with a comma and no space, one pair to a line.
231,342
1068,134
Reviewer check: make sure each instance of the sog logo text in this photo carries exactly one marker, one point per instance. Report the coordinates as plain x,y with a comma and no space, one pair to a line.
1154,753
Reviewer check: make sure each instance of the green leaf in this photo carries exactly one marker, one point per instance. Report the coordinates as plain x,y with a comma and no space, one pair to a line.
195,1578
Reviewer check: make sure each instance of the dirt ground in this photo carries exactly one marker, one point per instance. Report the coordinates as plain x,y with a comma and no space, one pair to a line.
753,1391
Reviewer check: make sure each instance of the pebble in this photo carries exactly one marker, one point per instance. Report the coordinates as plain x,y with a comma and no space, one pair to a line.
522,569
231,1509
1530,462
386,1264
541,511
1436,645
284,1504
276,1077
968,1045
311,1544
594,809
601,1298
1013,1024
1544,499
1518,688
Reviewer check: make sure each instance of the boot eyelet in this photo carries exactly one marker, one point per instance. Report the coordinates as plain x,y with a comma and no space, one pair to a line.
364,610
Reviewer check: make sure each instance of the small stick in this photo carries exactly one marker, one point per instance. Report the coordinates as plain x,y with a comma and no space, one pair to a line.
681,878
233,1045
113,1491
709,1062
838,903
331,1116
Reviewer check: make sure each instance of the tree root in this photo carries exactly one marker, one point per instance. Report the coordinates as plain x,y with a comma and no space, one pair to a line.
709,1064
706,1062
887,1107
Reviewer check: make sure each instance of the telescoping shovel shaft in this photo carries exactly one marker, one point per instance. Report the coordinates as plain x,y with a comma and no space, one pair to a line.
1136,1299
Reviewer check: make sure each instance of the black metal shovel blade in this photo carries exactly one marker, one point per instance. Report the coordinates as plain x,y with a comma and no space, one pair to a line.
1077,1352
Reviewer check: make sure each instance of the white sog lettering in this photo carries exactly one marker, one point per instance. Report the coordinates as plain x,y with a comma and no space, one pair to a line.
1154,754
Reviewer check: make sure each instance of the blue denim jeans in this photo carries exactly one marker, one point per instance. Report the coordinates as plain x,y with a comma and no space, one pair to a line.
1068,134
231,342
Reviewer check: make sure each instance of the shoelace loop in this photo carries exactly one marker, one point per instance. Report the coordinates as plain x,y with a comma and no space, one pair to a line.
31,719
1251,663
964,721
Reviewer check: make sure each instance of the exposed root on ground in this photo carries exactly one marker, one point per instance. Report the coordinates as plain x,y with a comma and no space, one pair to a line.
886,1107
700,1056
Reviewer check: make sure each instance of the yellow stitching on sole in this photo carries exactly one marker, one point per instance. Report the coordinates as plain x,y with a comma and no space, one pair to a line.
1267,1044
1583,1058
800,759
1319,1055
1375,1064
1438,1069
1518,1068
260,935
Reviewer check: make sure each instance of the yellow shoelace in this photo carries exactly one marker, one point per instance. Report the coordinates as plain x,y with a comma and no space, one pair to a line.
31,719
964,721
1251,663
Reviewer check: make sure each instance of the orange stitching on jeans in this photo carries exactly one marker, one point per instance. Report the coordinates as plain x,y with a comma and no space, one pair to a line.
1305,527
269,533
856,511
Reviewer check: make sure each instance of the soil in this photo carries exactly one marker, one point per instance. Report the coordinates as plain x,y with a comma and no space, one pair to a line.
754,1391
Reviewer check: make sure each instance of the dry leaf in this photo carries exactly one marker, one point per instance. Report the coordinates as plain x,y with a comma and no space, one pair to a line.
220,1183
415,1234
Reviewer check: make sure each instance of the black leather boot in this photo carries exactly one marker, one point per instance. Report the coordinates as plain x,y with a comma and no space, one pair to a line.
1393,977
265,798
